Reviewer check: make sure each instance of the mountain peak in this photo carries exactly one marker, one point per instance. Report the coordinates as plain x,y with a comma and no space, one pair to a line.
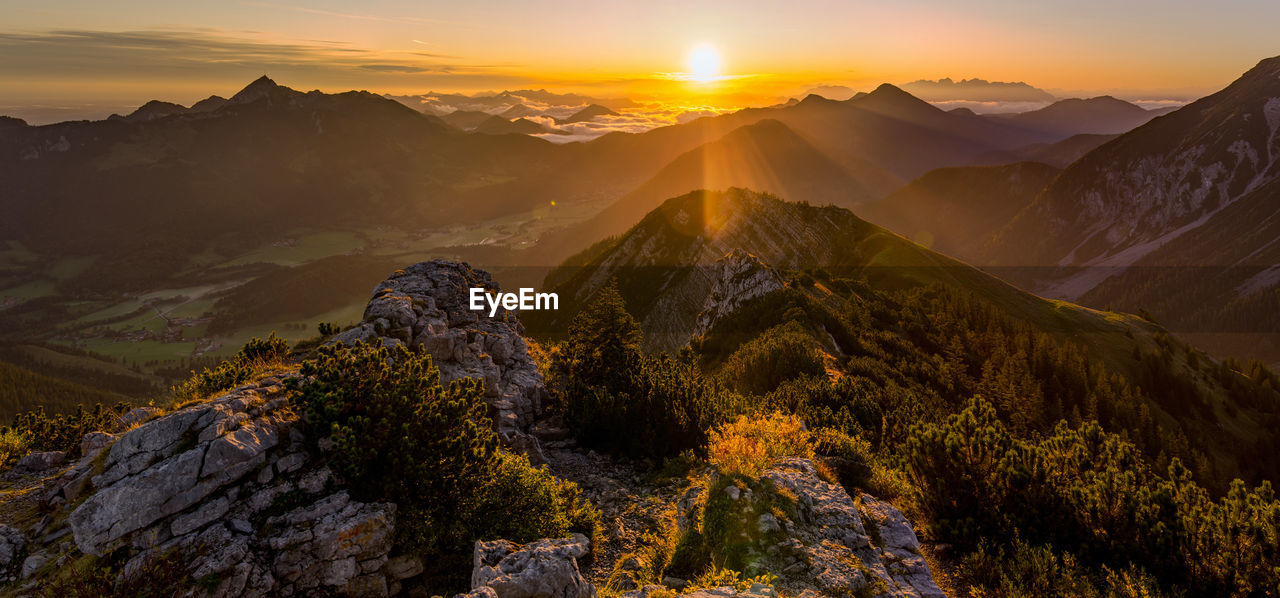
814,99
890,90
261,87
891,99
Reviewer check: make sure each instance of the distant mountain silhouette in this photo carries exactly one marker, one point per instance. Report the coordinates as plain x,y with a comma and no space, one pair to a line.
1101,115
766,156
976,90
466,119
956,210
150,190
1060,154
497,125
586,114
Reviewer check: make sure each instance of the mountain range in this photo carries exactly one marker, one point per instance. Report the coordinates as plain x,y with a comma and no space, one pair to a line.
175,197
976,90
669,270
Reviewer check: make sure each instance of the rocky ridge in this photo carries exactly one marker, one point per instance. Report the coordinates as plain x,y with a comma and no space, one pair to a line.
427,306
228,486
739,278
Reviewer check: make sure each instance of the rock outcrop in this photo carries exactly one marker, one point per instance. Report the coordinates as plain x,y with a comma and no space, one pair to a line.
541,569
40,462
13,546
831,551
427,305
228,485
819,544
739,278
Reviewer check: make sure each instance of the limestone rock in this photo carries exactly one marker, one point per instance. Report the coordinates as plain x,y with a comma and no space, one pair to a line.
42,461
834,549
33,564
822,546
738,277
901,549
13,545
175,461
541,569
94,442
427,305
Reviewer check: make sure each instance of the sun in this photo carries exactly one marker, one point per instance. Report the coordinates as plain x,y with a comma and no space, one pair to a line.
704,63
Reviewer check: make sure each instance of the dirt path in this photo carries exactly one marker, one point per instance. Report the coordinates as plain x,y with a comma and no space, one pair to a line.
630,505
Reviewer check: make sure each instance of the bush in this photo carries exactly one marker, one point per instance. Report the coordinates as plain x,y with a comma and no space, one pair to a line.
13,445
396,434
1025,570
782,353
664,409
254,357
750,444
523,503
160,574
62,431
617,400
849,456
392,432
1090,496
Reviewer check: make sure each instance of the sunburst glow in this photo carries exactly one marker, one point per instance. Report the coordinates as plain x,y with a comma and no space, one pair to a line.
704,63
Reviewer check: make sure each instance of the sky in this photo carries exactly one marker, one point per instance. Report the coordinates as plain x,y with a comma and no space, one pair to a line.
74,54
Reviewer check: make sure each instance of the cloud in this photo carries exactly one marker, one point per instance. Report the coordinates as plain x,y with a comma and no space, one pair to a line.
351,16
644,118
77,57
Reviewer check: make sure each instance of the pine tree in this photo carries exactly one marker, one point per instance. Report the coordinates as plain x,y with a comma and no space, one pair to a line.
604,341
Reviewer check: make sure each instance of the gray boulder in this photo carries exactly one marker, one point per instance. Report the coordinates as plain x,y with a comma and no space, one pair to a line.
40,462
541,569
13,546
208,481
831,548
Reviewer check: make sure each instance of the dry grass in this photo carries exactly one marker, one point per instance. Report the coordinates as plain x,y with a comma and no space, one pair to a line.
750,444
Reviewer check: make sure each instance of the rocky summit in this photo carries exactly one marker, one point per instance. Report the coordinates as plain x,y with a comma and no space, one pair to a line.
426,306
231,487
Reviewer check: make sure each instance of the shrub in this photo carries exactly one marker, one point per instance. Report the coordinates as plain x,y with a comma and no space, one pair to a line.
13,445
617,400
782,353
750,444
665,408
392,432
159,574
523,503
63,431
849,456
396,434
960,469
254,357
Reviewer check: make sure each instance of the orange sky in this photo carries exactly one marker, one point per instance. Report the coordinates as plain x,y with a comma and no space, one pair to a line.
126,52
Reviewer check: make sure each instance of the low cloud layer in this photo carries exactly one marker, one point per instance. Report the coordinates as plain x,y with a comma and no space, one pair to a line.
549,109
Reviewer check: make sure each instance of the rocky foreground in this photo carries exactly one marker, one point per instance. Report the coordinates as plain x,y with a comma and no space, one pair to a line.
229,485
